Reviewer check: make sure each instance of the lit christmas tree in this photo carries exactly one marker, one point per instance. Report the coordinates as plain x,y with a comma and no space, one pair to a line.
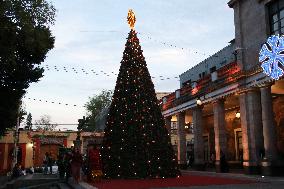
136,142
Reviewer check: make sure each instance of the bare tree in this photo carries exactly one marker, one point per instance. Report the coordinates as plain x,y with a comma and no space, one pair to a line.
44,123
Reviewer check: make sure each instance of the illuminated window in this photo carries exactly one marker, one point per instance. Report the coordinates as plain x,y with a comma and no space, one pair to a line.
174,125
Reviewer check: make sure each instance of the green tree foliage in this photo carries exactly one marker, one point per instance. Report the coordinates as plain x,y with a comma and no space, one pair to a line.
25,39
95,106
136,142
29,123
22,113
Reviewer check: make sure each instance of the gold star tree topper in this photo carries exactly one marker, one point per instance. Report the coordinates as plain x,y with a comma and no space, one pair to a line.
131,19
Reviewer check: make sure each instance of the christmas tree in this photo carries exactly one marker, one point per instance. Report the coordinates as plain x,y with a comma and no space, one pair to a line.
136,142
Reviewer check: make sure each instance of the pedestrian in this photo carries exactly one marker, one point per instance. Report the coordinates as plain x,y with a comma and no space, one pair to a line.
60,165
45,162
67,164
17,171
76,164
50,162
212,159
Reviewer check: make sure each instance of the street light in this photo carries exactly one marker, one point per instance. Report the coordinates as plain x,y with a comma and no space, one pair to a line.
238,114
198,102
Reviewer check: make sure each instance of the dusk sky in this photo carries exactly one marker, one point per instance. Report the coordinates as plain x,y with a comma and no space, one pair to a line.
91,34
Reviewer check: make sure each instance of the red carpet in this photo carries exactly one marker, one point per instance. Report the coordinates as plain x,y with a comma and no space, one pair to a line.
185,180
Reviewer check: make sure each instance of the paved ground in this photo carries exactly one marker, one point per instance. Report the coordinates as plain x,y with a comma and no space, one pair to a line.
261,182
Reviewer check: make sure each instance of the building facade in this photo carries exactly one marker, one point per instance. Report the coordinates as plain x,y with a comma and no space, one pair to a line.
32,146
235,109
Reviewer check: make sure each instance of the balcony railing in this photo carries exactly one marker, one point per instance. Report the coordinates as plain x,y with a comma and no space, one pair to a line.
225,76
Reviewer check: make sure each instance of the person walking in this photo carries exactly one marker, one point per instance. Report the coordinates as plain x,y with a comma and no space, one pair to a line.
60,164
76,164
45,162
67,164
50,162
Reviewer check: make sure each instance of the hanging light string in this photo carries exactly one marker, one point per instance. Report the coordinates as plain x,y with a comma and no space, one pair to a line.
53,102
93,72
148,37
236,51
170,45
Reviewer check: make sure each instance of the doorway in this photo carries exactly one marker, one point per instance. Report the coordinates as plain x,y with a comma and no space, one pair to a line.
239,144
206,148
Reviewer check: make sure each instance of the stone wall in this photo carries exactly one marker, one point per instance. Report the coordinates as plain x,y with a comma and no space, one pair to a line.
249,37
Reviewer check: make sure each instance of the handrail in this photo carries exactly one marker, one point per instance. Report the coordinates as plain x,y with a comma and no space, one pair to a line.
225,74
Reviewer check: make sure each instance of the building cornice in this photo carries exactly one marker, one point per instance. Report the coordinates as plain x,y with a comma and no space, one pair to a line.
231,3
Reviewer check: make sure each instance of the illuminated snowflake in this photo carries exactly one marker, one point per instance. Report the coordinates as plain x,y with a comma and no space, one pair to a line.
271,56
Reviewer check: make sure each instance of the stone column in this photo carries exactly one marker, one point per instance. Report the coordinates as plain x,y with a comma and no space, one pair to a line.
220,131
269,130
252,137
181,139
198,138
168,124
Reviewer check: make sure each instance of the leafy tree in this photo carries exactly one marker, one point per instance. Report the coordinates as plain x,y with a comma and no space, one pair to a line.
22,113
29,120
25,39
44,123
136,143
95,106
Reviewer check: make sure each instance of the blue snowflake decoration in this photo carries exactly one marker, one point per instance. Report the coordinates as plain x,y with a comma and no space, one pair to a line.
271,56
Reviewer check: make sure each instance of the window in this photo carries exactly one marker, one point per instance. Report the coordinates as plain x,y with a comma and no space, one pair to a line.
223,62
213,69
164,100
276,17
174,125
186,83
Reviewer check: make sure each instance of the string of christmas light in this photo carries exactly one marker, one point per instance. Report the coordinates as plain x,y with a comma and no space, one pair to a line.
187,50
170,45
53,102
160,77
92,71
148,37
